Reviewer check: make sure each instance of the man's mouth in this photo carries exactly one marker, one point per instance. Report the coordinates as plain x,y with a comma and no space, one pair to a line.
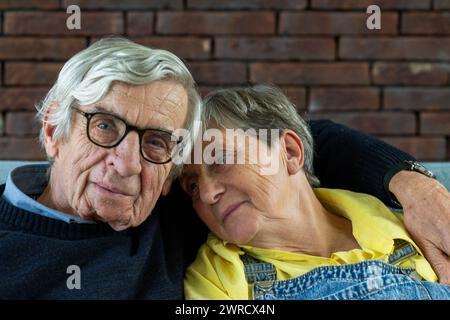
111,189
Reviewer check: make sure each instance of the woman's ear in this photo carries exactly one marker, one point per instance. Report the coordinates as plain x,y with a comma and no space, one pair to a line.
50,143
294,151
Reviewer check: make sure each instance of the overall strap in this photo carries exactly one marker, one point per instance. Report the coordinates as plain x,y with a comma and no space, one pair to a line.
257,270
402,251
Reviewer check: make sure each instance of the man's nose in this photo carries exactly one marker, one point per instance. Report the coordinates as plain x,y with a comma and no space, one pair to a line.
127,160
210,190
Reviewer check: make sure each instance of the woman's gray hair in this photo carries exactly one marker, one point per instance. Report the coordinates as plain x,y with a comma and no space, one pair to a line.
259,107
88,75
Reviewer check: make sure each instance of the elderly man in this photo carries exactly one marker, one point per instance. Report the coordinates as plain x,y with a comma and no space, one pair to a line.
90,225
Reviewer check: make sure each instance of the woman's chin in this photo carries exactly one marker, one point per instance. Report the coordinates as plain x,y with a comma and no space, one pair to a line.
240,236
240,228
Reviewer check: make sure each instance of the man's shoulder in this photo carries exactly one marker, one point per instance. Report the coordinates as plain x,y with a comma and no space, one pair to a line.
7,166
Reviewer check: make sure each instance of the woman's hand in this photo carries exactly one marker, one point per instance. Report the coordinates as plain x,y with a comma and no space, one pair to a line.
426,208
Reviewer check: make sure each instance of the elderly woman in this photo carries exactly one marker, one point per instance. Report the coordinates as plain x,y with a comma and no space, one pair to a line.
277,236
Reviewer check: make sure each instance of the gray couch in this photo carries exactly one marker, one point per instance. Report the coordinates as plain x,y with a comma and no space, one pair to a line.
441,169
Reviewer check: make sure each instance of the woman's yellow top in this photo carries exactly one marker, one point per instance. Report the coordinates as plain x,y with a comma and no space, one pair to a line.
218,272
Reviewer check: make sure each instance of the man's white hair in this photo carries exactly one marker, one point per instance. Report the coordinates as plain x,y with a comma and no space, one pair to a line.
86,78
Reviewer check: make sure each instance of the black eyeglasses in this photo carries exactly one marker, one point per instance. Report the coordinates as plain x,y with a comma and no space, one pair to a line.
107,131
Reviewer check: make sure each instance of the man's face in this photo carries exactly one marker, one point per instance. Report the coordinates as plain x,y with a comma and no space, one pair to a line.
117,185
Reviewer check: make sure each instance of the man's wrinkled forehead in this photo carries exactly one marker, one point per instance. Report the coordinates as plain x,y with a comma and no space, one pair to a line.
166,104
150,96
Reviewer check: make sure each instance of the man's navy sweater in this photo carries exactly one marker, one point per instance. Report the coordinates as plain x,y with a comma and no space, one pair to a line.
148,262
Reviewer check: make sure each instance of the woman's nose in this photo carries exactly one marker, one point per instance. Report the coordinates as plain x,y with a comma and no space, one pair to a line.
210,190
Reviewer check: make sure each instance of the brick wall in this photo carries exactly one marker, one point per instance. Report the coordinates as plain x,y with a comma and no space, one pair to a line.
392,82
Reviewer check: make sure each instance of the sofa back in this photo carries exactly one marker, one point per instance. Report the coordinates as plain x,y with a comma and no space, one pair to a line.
440,169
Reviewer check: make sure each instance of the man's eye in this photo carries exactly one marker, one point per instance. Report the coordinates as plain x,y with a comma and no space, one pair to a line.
156,142
104,126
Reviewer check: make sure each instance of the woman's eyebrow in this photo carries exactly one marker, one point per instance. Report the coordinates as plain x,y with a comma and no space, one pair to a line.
188,175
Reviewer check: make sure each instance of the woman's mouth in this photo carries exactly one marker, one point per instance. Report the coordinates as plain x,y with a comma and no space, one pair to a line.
230,210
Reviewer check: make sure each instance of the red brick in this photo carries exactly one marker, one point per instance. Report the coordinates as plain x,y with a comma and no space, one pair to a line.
310,74
139,23
25,73
421,148
12,48
54,23
373,122
12,148
435,123
204,90
334,23
16,99
410,48
441,4
247,4
21,124
363,4
29,4
218,73
215,23
433,23
297,96
448,149
340,99
414,73
1,124
184,47
417,98
274,48
124,5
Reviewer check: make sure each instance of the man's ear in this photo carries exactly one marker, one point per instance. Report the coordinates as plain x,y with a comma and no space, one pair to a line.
50,143
166,187
293,146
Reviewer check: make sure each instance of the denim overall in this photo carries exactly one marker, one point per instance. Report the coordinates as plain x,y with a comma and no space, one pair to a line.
367,280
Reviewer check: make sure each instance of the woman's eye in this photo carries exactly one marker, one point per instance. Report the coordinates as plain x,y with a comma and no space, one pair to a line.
227,157
192,187
219,166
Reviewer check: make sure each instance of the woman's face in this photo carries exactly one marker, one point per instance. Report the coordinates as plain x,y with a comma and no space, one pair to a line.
236,201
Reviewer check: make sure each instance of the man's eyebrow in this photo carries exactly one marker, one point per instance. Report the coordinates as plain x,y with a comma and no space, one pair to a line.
99,108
